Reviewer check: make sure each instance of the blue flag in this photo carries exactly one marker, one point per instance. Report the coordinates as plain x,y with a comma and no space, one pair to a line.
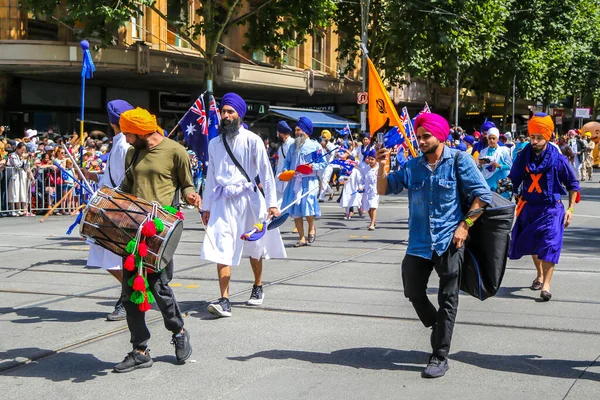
195,128
87,66
392,138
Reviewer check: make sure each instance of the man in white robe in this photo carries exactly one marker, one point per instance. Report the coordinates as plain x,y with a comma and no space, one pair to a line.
112,177
283,131
233,204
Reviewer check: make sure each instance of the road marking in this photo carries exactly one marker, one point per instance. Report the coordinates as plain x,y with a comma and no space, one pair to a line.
175,284
193,286
586,216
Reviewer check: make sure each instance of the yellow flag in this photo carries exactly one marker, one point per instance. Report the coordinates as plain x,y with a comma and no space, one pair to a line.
382,113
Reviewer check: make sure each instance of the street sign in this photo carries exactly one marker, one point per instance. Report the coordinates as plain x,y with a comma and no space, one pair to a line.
513,128
582,113
558,120
362,98
363,121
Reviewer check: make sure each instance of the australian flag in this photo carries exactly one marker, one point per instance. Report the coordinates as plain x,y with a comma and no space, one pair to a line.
344,132
195,129
426,109
214,119
393,138
409,127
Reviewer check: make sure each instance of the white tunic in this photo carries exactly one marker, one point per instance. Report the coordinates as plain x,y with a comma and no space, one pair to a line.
115,168
233,203
370,198
350,195
282,153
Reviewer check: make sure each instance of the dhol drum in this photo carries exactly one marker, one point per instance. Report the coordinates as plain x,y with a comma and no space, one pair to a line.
112,218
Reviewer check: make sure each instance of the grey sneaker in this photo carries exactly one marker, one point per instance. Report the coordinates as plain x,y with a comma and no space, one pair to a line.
134,360
220,308
183,347
257,296
118,314
436,367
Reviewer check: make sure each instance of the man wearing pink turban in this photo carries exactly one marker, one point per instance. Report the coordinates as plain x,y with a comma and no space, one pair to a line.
437,227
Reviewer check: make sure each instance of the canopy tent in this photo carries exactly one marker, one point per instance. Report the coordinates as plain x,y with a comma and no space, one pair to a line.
320,119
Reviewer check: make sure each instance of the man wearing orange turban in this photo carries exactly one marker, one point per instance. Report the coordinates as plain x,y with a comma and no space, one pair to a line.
154,169
541,218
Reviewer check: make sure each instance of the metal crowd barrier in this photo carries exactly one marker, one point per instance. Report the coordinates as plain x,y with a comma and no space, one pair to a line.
43,188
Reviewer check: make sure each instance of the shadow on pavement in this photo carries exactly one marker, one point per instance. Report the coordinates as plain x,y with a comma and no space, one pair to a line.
582,240
73,367
528,365
363,357
78,262
43,314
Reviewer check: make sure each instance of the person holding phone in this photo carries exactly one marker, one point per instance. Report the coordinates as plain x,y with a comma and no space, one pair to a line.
495,161
437,227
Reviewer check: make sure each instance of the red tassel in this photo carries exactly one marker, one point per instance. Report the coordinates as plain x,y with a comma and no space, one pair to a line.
143,249
129,263
145,306
179,215
139,283
149,229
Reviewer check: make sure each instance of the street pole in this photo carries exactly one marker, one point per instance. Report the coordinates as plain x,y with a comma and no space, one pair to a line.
457,94
512,126
581,106
364,18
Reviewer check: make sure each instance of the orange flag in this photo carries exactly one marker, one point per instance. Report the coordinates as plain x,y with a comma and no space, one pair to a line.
382,113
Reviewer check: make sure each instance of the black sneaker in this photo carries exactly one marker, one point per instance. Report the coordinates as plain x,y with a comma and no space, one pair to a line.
183,348
118,314
134,360
220,308
436,367
257,296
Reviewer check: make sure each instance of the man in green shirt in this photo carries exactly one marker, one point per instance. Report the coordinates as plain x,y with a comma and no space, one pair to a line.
155,168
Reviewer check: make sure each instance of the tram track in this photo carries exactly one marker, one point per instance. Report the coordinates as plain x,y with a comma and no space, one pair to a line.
186,311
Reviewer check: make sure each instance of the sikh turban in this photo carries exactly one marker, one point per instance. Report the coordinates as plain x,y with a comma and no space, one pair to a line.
138,122
541,124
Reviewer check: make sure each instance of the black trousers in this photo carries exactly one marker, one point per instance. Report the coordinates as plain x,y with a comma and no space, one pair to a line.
165,299
415,275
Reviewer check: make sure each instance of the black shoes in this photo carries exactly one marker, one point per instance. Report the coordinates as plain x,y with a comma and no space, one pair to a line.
220,308
134,360
257,296
545,295
118,314
183,347
436,367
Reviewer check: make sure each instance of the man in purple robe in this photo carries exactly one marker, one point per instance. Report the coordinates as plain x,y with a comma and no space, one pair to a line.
541,217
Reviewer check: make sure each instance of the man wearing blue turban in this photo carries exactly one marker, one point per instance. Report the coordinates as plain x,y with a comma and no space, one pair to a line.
233,204
304,151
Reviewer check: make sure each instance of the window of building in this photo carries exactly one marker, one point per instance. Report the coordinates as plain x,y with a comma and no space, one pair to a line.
318,51
180,11
41,27
259,56
290,56
137,26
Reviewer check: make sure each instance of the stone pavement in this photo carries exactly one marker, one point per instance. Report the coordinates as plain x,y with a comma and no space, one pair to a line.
334,325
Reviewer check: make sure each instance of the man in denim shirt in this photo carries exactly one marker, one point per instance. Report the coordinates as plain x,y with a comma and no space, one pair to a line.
437,227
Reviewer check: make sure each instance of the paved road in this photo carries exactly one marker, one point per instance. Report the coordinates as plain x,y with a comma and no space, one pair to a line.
334,325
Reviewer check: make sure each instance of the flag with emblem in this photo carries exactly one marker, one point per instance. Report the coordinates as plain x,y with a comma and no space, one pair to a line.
382,112
195,129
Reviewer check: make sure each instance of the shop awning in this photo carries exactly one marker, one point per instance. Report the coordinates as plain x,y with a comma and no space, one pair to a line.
320,119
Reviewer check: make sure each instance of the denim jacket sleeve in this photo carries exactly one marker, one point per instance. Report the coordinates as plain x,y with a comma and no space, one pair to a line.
397,180
472,182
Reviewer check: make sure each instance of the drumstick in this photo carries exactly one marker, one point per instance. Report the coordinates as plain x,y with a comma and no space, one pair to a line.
206,231
77,209
54,207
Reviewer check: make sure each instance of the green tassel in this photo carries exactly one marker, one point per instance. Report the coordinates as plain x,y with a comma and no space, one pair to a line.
159,225
138,261
131,246
137,297
130,281
171,210
150,297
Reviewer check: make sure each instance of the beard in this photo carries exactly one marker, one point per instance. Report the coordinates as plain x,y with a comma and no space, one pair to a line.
299,141
230,128
139,143
432,149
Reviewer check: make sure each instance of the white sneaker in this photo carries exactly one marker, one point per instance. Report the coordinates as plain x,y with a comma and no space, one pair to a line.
257,296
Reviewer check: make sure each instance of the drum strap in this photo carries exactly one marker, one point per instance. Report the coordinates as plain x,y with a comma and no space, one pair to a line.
237,163
108,169
136,153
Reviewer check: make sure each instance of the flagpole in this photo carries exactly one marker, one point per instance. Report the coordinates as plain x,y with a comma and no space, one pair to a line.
84,46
